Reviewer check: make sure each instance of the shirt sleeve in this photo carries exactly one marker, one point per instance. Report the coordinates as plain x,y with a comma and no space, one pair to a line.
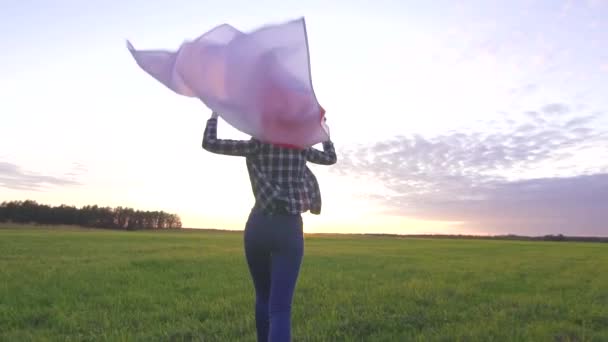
325,157
226,146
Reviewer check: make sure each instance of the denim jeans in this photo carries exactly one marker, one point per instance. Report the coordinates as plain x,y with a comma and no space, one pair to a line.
274,246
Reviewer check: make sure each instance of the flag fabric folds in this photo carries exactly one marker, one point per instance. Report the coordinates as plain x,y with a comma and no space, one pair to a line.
259,82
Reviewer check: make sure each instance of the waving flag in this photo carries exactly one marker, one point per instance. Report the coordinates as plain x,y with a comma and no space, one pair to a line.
259,82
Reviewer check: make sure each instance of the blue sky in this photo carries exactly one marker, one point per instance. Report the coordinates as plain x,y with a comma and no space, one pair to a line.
482,117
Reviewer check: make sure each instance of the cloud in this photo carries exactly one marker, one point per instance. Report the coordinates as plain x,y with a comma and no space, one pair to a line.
526,90
556,109
570,205
523,179
13,177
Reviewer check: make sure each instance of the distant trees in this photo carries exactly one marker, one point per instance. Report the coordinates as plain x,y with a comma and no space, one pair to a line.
558,237
88,216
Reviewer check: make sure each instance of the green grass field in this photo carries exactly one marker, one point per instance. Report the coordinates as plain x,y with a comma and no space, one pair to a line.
69,284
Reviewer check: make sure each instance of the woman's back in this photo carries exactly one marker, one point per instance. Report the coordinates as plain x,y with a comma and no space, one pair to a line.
279,177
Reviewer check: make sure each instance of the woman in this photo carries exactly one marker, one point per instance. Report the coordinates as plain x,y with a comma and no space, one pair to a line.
283,187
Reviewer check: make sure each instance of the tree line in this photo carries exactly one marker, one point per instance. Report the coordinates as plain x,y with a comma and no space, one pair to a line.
88,216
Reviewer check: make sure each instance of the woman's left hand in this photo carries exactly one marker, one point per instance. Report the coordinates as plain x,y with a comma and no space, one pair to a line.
325,127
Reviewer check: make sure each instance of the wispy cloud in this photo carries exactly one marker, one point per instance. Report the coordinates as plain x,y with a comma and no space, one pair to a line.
523,178
13,177
556,109
525,90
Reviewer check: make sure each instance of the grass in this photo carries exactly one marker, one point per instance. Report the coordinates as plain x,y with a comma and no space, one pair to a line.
71,284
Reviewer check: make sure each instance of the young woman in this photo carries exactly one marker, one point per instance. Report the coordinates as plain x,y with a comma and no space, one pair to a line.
284,188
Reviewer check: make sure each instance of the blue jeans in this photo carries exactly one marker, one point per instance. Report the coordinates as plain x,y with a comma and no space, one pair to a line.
274,246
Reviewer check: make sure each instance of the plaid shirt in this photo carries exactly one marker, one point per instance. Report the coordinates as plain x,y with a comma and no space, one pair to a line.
280,179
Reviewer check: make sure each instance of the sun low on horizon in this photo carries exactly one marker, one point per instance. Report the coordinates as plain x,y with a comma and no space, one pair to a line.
452,117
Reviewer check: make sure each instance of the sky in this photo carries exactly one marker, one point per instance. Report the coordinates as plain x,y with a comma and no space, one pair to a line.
449,117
